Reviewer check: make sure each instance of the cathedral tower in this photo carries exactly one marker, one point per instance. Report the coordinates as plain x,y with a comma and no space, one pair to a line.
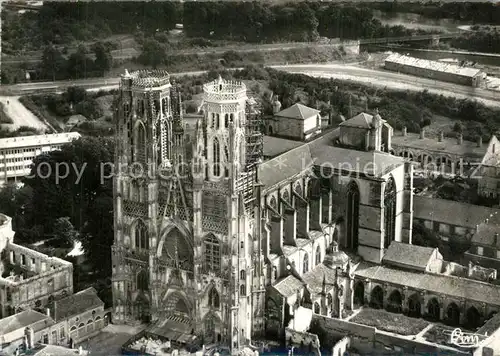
184,249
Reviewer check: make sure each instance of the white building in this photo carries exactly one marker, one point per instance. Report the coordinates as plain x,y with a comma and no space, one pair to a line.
17,153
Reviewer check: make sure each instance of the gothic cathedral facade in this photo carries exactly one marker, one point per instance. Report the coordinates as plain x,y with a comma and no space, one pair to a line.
183,247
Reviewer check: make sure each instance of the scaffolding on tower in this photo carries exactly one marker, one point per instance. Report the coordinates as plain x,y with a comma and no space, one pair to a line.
253,151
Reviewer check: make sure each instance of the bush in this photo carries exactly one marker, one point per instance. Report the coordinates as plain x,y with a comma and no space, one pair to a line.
89,108
191,108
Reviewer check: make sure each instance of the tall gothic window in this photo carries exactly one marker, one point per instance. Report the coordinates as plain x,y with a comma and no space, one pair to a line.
126,110
305,264
217,122
141,235
390,212
216,161
318,256
352,215
212,254
213,298
226,121
141,143
142,280
226,165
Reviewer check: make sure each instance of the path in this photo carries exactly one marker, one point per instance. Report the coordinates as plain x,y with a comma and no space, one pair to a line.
20,115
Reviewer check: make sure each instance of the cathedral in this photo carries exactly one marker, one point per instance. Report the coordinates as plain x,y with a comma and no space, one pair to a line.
212,240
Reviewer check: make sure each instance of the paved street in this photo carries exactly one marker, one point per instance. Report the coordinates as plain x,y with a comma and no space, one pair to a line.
19,114
394,80
110,340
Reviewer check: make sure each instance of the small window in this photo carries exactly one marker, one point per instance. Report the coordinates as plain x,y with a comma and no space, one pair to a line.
479,250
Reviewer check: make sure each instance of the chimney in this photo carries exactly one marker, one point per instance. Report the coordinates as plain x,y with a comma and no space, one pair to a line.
479,141
405,131
441,136
422,133
460,139
47,311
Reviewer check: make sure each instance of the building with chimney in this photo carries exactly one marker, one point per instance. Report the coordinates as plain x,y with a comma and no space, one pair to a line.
218,243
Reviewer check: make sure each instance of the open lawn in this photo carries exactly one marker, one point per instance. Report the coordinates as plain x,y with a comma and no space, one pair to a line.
391,322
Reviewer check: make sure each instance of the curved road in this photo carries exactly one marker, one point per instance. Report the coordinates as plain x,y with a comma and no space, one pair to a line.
20,115
394,80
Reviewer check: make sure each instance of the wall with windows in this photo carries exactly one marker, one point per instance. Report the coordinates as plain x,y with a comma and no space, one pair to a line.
83,326
34,280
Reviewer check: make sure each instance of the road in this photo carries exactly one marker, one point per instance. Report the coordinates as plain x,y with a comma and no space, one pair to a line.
20,115
394,80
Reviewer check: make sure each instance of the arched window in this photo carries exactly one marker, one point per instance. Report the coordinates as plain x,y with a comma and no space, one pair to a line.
140,151
217,122
275,272
231,118
270,130
316,308
126,110
212,254
226,166
134,191
286,196
243,290
226,121
216,162
318,255
390,212
352,215
305,263
213,121
243,275
142,280
141,235
213,298
272,203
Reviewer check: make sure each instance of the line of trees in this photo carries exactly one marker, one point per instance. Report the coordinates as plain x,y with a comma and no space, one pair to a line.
77,65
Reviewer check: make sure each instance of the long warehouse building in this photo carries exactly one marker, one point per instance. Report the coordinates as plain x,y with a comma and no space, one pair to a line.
446,72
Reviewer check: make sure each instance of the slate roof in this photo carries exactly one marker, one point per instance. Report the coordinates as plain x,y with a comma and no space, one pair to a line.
448,145
76,304
406,255
440,284
298,111
288,286
314,278
492,156
56,350
449,211
435,66
362,120
274,146
321,152
21,320
485,233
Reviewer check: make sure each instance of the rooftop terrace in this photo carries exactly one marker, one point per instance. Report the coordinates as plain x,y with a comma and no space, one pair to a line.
38,140
224,90
147,78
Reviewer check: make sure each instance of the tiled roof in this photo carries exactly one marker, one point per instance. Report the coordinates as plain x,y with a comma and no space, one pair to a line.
492,156
413,256
76,304
298,111
432,65
285,166
56,350
288,286
362,120
448,145
21,320
485,233
439,284
274,146
449,211
314,278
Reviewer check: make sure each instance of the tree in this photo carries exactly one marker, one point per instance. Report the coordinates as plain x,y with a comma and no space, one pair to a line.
53,63
103,58
79,195
64,231
75,94
153,53
79,64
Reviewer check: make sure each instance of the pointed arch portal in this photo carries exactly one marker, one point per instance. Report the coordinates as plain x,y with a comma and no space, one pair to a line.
176,305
